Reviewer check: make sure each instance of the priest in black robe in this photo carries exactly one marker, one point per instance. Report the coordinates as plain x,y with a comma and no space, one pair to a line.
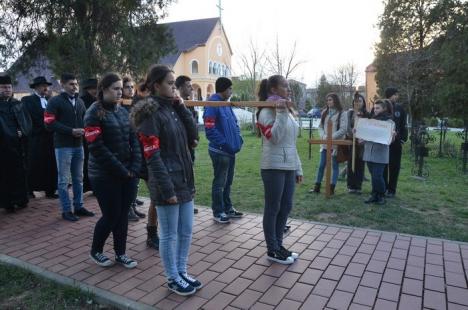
15,126
41,164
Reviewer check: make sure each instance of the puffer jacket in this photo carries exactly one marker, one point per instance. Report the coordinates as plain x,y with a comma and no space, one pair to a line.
113,146
164,130
339,128
279,135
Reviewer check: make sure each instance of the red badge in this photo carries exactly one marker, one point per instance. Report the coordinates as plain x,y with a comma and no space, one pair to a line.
150,144
49,118
266,130
91,133
210,122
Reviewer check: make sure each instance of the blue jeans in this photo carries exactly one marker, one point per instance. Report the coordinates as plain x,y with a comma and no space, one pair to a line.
175,236
223,168
323,162
70,161
377,175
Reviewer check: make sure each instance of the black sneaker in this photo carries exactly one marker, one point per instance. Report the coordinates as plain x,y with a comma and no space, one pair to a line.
69,216
233,213
126,261
139,202
195,211
181,287
83,212
390,194
279,257
138,213
192,281
101,259
285,251
371,199
222,218
286,228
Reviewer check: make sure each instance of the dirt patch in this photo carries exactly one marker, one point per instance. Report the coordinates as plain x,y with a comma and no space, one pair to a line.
326,216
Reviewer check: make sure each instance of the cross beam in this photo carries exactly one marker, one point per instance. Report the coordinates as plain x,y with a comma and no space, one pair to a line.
250,104
329,142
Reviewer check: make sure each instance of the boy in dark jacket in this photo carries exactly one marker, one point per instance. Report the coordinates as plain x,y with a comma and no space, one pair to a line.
392,171
64,116
223,133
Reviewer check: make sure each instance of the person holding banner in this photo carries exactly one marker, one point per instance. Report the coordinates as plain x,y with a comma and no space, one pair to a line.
356,176
333,112
166,130
280,165
377,155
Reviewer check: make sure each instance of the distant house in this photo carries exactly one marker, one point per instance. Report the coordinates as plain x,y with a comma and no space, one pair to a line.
203,53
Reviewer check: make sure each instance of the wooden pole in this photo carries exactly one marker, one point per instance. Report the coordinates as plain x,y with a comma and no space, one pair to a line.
253,104
328,167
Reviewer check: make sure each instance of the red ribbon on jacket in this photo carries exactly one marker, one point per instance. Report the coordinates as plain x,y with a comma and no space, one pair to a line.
266,130
150,144
49,118
91,133
210,122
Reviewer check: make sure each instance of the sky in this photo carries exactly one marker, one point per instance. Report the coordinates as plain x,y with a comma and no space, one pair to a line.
329,33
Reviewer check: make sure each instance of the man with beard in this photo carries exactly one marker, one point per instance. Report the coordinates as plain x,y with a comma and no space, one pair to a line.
88,96
41,165
15,126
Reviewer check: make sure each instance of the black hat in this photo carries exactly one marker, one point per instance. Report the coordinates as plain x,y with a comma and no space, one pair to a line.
390,91
5,79
222,84
89,83
39,80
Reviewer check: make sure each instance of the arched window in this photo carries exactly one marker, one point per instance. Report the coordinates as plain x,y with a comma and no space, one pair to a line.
210,67
228,71
194,66
215,69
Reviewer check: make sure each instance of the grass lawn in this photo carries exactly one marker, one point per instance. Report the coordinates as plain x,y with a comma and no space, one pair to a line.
436,207
20,289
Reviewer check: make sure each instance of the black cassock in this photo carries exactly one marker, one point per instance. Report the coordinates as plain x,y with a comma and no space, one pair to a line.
13,188
41,164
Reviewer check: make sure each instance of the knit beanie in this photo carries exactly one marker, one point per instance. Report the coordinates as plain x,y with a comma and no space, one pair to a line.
5,79
390,91
222,84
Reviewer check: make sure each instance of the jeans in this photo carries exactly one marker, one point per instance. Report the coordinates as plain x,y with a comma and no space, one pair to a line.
175,236
223,167
377,175
279,188
70,160
323,162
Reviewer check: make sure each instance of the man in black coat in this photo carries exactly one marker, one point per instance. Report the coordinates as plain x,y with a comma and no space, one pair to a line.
392,171
42,168
15,126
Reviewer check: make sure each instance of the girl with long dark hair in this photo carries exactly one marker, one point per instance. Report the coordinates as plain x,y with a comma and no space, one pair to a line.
114,163
333,112
166,130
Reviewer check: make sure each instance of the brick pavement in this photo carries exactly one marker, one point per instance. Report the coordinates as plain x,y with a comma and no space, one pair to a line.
339,267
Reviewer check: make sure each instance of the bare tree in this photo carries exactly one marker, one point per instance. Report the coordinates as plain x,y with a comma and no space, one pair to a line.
344,80
253,66
282,64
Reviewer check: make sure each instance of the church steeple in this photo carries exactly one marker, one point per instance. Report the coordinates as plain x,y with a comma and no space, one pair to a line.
220,8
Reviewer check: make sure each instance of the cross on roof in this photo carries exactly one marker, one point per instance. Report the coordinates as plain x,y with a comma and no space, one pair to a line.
220,8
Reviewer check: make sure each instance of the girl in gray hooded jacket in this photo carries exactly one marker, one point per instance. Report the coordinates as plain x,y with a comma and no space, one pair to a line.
280,164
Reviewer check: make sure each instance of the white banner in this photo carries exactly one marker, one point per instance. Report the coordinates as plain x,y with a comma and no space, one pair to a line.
374,130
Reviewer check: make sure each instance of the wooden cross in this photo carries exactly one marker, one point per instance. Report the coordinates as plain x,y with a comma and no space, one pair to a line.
329,142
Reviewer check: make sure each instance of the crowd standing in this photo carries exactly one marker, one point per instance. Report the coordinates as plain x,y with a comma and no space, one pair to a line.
118,132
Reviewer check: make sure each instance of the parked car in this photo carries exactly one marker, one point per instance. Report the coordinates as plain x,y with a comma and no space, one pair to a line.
314,113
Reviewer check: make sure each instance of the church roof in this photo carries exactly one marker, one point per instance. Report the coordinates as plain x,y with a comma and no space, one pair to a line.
188,35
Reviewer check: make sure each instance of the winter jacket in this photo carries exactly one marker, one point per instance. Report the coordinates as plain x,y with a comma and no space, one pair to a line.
279,134
61,116
222,129
376,152
113,147
399,117
339,127
164,130
13,117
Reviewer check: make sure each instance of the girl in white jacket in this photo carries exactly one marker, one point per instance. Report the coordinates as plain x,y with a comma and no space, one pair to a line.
280,164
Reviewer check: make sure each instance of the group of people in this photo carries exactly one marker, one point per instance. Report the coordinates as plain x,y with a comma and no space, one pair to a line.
146,132
383,161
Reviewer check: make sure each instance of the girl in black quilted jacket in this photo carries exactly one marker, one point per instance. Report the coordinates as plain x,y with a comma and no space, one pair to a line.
114,163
